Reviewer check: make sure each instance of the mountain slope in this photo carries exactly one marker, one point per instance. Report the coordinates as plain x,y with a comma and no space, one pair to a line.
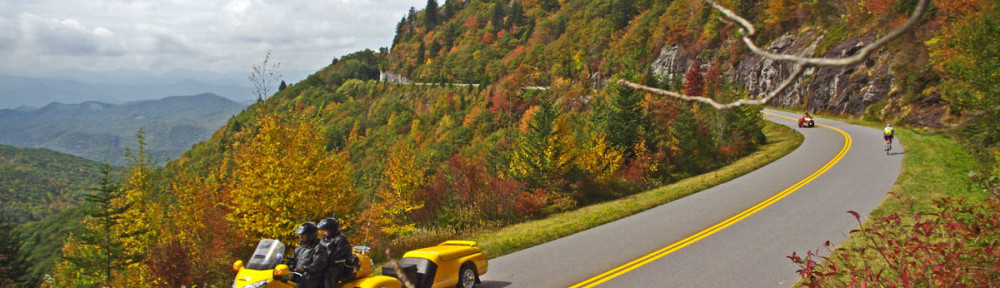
35,183
44,190
538,43
101,131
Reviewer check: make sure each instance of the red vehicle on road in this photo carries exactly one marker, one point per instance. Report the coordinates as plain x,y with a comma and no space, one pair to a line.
806,121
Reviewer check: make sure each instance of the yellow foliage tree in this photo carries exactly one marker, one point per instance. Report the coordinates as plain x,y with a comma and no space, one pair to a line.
145,218
284,176
69,274
404,174
599,159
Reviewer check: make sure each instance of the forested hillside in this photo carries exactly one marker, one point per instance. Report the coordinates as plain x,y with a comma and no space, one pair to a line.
42,190
35,183
401,163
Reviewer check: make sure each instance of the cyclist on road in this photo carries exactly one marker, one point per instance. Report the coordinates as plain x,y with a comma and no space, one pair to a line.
887,134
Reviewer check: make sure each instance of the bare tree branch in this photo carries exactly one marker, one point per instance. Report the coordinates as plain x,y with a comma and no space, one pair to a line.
399,270
264,76
801,63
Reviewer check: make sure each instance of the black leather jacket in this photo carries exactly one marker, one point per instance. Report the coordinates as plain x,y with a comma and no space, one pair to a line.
311,260
338,249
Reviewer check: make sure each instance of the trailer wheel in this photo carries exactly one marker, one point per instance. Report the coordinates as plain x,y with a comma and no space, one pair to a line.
466,276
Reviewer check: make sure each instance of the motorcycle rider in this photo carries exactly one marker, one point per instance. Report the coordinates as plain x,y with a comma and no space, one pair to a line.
310,257
338,249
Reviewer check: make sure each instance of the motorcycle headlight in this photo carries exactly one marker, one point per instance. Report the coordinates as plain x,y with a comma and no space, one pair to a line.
260,284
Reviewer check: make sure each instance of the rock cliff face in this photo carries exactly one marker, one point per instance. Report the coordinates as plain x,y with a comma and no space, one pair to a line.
389,76
671,63
863,89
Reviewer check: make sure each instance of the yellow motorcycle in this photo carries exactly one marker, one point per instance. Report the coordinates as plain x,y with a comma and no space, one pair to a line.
265,269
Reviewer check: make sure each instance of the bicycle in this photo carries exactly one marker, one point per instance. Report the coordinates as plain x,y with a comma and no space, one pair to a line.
887,134
888,143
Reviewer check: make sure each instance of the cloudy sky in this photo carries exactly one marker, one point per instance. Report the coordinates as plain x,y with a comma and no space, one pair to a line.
202,35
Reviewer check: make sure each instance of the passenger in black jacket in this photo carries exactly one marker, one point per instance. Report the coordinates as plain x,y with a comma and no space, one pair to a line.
310,257
338,249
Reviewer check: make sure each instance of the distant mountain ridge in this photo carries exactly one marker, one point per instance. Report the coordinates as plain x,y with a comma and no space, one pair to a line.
35,90
16,91
101,131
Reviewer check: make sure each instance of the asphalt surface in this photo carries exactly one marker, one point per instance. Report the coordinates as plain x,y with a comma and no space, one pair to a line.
794,204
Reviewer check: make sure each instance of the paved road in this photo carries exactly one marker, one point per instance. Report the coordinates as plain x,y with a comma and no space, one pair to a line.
736,234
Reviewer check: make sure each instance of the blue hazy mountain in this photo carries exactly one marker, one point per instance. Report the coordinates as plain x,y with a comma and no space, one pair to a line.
101,131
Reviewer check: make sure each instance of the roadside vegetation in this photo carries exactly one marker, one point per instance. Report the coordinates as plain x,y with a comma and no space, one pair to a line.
505,240
941,225
938,227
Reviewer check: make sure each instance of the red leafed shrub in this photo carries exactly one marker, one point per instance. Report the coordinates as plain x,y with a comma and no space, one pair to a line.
957,246
488,39
171,264
530,203
464,184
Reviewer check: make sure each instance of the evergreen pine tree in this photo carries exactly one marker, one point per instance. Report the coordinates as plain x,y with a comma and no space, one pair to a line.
622,12
431,14
624,119
549,5
13,267
105,213
499,14
516,15
421,50
538,156
449,9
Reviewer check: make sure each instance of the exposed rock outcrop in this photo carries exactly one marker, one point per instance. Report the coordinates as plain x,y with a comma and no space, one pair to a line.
842,89
671,63
853,90
389,76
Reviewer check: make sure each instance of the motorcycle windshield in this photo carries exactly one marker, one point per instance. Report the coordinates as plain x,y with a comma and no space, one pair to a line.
268,255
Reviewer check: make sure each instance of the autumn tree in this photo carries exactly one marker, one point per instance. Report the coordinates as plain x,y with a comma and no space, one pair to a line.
694,83
199,242
970,60
542,153
283,176
403,175
100,254
145,218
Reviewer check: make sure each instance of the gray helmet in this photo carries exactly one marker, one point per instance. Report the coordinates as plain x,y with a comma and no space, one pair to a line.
329,224
306,228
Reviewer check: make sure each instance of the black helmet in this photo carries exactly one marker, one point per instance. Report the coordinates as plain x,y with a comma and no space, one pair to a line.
306,228
329,224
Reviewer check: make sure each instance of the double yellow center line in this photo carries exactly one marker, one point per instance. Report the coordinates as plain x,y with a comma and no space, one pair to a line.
635,264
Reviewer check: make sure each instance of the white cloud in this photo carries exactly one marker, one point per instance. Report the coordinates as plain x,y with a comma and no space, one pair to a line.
67,37
190,34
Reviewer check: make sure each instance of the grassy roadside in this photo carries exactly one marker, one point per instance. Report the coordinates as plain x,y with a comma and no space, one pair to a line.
935,166
781,140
